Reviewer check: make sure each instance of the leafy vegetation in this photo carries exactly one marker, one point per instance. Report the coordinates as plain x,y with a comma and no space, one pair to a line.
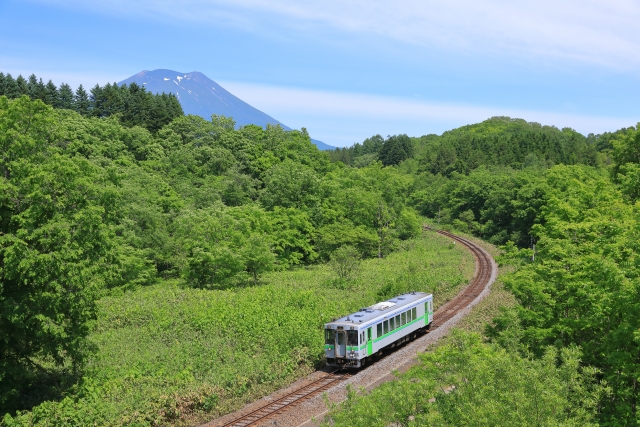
499,141
167,351
571,232
90,207
466,382
140,252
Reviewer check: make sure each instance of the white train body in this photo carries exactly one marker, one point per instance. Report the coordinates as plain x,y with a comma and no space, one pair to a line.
351,340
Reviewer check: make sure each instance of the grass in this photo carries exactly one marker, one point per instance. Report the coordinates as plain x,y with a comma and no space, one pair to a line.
168,354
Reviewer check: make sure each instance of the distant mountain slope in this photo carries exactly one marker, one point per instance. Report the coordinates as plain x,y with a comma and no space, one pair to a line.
199,95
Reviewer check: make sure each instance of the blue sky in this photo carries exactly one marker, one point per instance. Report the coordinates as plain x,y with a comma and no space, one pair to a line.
349,70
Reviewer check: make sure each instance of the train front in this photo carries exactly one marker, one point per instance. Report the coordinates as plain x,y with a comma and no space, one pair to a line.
341,345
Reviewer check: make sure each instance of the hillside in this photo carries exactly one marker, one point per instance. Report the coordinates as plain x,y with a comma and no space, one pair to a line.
498,141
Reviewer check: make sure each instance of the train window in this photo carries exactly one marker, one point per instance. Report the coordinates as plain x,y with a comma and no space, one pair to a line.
341,338
369,334
403,318
409,316
413,313
386,326
379,330
329,336
352,338
398,321
392,324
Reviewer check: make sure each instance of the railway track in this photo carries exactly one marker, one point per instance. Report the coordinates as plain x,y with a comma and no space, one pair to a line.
289,400
481,278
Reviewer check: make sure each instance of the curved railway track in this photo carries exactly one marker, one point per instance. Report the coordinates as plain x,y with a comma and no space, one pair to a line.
481,278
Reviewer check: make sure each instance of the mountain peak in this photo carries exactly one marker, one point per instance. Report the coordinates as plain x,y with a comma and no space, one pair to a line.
201,96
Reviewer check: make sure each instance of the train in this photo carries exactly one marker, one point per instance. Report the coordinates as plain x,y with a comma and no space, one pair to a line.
353,340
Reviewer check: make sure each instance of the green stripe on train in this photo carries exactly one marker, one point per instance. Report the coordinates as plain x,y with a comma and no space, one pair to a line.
398,329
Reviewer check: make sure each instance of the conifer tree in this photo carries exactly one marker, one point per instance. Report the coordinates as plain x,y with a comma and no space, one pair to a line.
51,95
22,86
2,83
32,87
96,101
41,91
81,101
113,99
65,97
12,90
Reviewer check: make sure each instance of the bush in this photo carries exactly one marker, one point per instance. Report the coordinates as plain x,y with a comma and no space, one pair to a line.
345,261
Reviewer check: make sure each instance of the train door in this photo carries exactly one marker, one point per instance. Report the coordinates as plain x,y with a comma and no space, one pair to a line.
369,342
426,313
341,344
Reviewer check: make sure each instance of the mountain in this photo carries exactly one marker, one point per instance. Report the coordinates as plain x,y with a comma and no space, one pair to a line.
199,95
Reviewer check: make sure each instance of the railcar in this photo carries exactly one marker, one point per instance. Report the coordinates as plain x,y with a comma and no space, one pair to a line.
353,340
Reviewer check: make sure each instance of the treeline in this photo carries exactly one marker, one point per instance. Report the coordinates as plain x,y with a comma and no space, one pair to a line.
390,151
133,104
499,141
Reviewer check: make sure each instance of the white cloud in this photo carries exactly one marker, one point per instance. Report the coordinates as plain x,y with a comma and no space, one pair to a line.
344,118
585,30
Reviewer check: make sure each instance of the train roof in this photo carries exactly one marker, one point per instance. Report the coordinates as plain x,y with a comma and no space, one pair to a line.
380,310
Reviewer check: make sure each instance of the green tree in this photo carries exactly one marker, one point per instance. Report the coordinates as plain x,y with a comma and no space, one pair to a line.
216,265
257,255
51,95
65,97
22,85
54,242
11,88
81,101
396,149
345,261
290,184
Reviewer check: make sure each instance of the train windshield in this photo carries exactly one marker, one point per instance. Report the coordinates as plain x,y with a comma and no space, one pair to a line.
329,336
352,338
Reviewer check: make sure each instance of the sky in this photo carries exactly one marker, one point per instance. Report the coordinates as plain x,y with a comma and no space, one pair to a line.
347,70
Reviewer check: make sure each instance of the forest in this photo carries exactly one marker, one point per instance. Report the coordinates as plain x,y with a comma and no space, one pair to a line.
121,223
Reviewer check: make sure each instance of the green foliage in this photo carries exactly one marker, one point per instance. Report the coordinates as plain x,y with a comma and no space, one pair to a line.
98,202
466,382
583,287
105,203
499,204
58,247
257,256
499,141
168,351
345,261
